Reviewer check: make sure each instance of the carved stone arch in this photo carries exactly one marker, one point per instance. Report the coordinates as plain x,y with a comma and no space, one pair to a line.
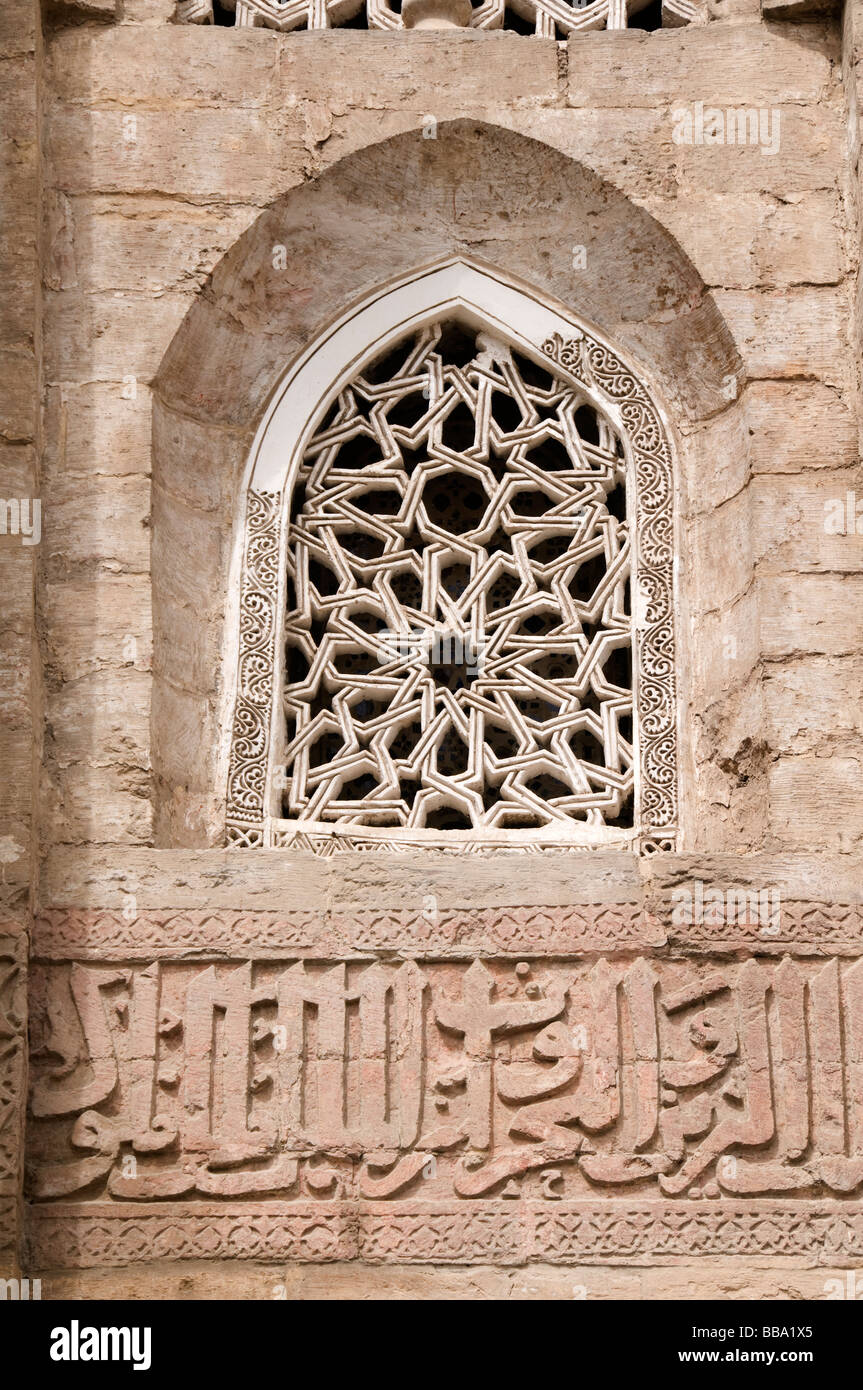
509,315
367,222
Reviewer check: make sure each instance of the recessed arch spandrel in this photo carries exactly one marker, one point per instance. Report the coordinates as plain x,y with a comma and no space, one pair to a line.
364,226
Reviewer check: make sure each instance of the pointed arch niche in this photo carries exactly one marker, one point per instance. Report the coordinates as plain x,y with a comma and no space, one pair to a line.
448,502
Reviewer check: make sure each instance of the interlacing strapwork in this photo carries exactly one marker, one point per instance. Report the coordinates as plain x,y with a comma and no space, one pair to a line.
547,18
458,633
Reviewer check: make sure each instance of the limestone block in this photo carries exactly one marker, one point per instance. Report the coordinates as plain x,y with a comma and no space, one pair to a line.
785,1281
794,524
74,10
781,1280
725,648
17,819
19,405
221,386
101,719
19,26
815,705
185,816
801,242
94,877
187,648
97,428
184,732
739,242
728,65
817,613
83,805
16,586
808,136
18,237
16,834
816,800
99,623
798,333
185,153
634,148
731,758
13,1008
853,33
288,879
189,549
148,11
158,67
406,882
15,694
434,74
166,1280
115,337
718,234
715,460
18,479
18,138
203,463
99,526
59,271
822,432
151,245
797,9
718,548
736,11
799,876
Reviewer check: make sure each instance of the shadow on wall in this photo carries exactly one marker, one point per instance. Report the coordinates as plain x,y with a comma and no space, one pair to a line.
475,191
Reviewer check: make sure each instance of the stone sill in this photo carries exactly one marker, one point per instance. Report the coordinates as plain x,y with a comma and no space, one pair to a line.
286,880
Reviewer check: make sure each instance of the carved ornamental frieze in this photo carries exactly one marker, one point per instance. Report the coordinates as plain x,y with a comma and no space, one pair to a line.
626,1104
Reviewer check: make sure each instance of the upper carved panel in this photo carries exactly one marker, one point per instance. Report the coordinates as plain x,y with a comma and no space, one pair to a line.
548,18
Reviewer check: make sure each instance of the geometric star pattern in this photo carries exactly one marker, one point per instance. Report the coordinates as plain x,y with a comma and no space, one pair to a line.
547,18
458,629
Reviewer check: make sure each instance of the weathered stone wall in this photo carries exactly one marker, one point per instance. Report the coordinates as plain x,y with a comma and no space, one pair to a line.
174,160
224,123
20,697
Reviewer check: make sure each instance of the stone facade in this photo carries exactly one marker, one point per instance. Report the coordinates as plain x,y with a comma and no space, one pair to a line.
539,980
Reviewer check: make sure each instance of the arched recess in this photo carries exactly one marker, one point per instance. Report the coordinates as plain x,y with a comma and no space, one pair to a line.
478,194
508,318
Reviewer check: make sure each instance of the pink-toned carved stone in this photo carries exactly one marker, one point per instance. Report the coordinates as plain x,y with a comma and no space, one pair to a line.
13,1012
514,1084
68,1236
78,933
